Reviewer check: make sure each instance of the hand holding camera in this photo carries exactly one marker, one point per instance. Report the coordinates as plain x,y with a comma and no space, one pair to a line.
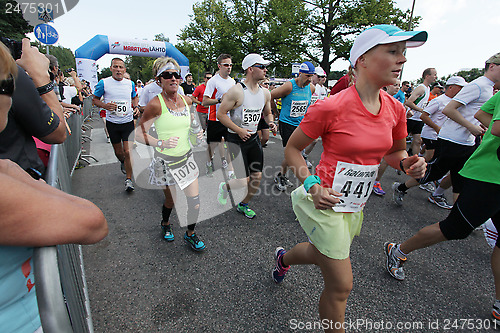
35,63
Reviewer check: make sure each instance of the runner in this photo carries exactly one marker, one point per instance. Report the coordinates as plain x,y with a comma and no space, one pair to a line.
295,99
416,102
173,162
120,102
198,99
246,102
217,86
263,127
473,207
349,163
457,137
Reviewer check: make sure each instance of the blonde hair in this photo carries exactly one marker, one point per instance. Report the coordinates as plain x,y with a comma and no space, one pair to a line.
352,76
163,61
7,64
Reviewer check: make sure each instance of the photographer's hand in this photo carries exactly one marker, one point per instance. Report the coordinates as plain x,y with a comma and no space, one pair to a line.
35,64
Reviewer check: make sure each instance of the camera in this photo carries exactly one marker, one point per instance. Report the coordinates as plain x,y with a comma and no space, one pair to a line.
15,47
69,70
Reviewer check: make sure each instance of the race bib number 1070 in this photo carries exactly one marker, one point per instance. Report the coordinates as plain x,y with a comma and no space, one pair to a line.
355,183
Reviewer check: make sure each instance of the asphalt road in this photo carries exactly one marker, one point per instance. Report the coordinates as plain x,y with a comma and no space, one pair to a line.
140,283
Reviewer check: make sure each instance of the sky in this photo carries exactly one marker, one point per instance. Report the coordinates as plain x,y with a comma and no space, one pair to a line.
462,33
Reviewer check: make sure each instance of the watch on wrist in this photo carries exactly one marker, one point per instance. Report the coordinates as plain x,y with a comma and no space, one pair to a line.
46,88
159,143
219,100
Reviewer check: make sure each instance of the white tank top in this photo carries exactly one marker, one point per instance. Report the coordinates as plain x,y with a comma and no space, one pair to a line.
248,114
421,102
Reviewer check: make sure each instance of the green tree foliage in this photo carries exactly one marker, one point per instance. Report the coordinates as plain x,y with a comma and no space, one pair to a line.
12,25
104,73
333,24
469,74
65,56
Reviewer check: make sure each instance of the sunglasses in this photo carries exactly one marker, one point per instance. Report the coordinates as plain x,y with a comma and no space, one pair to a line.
321,76
208,77
265,84
7,86
169,75
260,66
227,65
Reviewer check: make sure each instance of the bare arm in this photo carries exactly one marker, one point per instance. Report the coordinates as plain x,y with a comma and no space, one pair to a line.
232,99
451,111
483,117
282,91
37,66
410,102
268,115
207,101
427,120
48,216
100,104
324,198
414,166
495,128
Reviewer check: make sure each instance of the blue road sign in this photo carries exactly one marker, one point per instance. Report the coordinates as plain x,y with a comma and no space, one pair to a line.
46,34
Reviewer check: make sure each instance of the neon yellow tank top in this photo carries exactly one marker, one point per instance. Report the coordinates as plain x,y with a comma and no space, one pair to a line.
171,123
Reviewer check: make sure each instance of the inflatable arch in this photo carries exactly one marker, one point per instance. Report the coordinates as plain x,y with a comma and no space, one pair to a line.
87,54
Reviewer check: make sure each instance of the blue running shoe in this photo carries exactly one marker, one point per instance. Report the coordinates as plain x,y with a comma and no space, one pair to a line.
168,235
194,242
279,271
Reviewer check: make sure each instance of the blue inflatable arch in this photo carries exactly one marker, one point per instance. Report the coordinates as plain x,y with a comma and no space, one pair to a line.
87,54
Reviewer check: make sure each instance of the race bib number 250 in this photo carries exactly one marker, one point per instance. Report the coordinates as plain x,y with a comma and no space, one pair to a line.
355,183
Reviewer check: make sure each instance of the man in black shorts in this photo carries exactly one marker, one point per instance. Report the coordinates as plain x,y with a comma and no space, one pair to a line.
246,102
120,102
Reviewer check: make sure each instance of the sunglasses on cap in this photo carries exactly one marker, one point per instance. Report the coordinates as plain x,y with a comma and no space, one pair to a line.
169,75
7,86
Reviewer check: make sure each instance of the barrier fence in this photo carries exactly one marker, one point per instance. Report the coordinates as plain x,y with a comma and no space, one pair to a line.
61,288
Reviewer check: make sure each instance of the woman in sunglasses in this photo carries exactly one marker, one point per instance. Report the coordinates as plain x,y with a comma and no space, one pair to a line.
173,162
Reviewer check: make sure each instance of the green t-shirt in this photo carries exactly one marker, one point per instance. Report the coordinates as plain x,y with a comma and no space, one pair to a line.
484,164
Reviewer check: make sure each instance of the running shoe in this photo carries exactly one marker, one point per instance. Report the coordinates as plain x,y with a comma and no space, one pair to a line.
222,195
495,313
245,210
195,243
394,264
440,201
309,164
129,186
167,233
280,185
210,169
279,271
287,181
107,140
397,195
122,167
377,189
429,187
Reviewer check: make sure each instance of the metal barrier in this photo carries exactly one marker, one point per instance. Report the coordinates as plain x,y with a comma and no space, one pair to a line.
61,287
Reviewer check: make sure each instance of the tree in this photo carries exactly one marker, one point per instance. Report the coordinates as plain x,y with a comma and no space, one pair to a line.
12,23
65,56
333,24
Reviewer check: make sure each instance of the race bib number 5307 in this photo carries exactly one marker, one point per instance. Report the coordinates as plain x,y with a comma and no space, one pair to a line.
355,183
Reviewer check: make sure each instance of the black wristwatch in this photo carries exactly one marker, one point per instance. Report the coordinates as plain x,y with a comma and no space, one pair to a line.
219,100
46,88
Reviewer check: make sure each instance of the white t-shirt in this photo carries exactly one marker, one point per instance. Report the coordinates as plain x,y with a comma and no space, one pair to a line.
435,111
68,93
150,91
472,96
422,102
320,91
216,88
119,92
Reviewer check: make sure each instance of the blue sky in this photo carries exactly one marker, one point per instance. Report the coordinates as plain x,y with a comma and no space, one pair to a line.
462,33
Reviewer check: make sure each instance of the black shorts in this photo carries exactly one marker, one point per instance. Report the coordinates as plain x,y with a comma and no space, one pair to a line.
414,126
119,132
477,202
262,124
451,157
429,143
286,131
251,153
215,131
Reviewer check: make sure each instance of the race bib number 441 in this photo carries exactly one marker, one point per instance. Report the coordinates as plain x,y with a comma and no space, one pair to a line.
298,108
355,183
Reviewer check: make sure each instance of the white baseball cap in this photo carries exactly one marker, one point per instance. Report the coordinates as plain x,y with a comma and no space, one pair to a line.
252,59
320,71
457,80
384,34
